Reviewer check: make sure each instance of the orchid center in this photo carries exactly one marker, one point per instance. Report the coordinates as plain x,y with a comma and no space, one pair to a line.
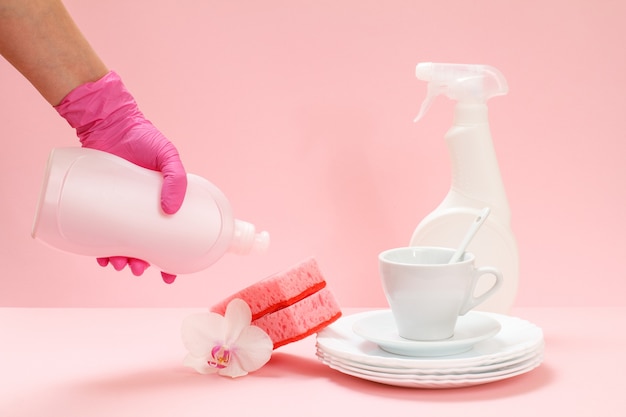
220,357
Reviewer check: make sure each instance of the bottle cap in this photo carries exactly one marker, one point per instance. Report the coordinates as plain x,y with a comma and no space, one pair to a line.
246,240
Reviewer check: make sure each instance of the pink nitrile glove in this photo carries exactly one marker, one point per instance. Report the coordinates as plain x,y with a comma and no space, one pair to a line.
106,117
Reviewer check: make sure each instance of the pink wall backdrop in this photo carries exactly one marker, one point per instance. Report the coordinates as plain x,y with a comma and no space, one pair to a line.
301,112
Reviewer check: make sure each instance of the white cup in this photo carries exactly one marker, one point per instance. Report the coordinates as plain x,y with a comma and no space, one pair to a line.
427,294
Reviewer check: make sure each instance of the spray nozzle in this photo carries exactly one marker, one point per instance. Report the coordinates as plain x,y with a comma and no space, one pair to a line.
461,82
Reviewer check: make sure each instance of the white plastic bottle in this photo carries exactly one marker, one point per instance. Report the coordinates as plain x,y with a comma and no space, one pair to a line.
476,179
96,204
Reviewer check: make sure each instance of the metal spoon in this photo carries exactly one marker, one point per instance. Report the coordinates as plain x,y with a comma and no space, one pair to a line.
470,234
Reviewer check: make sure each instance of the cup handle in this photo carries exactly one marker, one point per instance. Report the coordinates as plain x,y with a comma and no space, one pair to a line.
474,301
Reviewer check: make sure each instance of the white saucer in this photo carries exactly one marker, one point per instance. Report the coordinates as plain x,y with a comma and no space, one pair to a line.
380,328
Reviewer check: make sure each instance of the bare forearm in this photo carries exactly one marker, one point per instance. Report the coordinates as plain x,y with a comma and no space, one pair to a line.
40,39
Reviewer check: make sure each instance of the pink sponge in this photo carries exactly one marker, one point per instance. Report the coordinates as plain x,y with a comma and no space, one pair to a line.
289,305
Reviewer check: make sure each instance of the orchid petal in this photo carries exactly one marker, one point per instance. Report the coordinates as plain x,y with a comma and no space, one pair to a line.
254,348
199,364
238,317
233,370
201,331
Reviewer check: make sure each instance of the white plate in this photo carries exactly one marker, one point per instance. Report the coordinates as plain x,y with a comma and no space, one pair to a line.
447,372
380,328
505,370
517,337
439,383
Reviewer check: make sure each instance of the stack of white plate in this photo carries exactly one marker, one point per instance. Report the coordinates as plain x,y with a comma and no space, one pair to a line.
486,347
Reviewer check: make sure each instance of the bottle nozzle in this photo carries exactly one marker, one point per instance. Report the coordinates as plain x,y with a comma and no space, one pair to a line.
461,82
246,240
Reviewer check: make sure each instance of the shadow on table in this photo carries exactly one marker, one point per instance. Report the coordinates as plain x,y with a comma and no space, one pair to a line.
156,390
164,390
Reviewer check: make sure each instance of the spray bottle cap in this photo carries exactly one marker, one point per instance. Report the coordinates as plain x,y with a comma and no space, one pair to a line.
461,82
246,240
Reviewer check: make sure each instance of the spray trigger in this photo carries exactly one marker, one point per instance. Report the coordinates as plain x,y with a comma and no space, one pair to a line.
434,90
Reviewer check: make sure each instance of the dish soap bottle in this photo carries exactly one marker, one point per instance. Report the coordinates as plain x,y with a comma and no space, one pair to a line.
97,204
476,179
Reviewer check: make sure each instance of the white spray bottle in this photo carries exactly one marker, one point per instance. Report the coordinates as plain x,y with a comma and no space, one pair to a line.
96,204
476,179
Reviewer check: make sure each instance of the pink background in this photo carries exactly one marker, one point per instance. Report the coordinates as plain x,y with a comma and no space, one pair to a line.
301,112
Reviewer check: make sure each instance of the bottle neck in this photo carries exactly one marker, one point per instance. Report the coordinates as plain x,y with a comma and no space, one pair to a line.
471,114
475,171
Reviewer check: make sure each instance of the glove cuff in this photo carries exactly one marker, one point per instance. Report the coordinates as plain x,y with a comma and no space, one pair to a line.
98,105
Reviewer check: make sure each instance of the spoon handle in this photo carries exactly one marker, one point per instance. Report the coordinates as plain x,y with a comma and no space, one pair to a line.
470,234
